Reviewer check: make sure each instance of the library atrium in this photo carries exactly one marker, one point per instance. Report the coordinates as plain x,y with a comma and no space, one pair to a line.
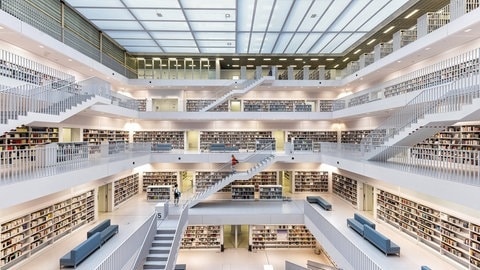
354,125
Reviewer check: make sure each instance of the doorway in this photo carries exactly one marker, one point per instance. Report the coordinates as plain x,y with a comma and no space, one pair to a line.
104,198
367,197
235,236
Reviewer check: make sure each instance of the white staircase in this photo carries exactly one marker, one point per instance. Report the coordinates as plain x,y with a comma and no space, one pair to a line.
160,249
244,175
235,92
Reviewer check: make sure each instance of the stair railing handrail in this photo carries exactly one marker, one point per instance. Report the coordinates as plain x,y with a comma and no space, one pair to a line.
223,167
430,100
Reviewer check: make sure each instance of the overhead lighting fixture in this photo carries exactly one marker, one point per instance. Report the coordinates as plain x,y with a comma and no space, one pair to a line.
279,66
357,51
267,59
235,59
249,65
467,30
335,66
427,49
389,29
371,41
314,59
172,58
41,46
235,66
163,65
206,65
282,59
227,15
330,59
293,65
251,59
313,15
411,14
346,59
298,59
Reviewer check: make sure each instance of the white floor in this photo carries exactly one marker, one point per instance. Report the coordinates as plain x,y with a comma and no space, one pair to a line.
133,212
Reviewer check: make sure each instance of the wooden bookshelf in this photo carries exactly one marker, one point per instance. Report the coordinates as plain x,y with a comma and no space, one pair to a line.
175,138
159,193
280,236
97,136
202,237
27,234
125,188
159,179
345,188
310,181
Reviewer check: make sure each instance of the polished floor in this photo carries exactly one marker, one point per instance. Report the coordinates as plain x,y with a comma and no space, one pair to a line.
132,213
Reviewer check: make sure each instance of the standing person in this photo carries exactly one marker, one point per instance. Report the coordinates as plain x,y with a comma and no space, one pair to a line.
234,163
176,195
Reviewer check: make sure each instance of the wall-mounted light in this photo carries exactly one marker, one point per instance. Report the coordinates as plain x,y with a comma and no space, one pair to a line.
389,29
371,41
346,59
411,14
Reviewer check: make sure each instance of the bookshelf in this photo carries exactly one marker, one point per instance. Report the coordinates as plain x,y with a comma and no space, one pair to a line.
202,237
356,136
204,180
125,188
27,137
310,181
265,144
244,140
27,234
96,136
276,106
159,179
142,105
314,136
451,236
243,192
158,193
195,105
326,105
270,192
262,178
280,236
345,188
72,151
175,138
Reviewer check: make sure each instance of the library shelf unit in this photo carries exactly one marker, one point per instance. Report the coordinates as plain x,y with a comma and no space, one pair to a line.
453,237
97,136
314,136
345,188
276,106
243,192
69,151
195,105
280,236
261,178
175,138
310,181
202,237
244,140
125,188
159,179
26,137
159,193
204,180
265,144
142,105
325,105
25,235
271,192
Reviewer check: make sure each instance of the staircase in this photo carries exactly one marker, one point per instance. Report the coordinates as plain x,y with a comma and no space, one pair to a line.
160,250
235,92
200,196
427,114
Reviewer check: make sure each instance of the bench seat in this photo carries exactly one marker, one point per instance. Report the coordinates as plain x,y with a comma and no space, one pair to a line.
105,229
320,201
82,251
356,225
380,241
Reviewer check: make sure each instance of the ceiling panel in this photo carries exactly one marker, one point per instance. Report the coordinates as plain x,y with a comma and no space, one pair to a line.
107,14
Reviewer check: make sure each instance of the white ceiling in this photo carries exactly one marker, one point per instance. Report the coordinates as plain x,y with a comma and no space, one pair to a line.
237,26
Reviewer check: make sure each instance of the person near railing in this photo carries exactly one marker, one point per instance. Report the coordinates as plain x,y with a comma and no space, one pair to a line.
234,163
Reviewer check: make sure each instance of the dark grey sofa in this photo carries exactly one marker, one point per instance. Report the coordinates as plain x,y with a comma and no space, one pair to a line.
380,241
105,229
81,252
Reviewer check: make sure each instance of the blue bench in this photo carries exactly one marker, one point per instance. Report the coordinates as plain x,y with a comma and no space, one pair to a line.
221,147
162,147
81,252
424,267
380,241
358,222
320,201
105,229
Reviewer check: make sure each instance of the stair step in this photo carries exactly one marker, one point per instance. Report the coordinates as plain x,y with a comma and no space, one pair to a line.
154,265
157,257
162,243
166,231
164,237
159,250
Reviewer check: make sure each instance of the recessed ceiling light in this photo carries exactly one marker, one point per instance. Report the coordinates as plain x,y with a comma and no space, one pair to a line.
335,66
411,14
1,27
282,59
163,65
227,15
235,66
41,46
330,59
357,51
314,59
70,60
249,65
172,58
371,41
298,59
293,65
467,30
389,29
235,59
427,49
209,65
279,66
267,59
346,59
251,59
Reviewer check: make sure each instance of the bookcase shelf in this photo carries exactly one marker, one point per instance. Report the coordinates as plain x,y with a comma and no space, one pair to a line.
280,236
345,188
26,137
244,140
97,136
159,193
142,105
262,178
159,179
325,105
175,138
452,237
276,106
202,237
270,192
204,180
25,235
310,181
125,188
195,105
243,192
